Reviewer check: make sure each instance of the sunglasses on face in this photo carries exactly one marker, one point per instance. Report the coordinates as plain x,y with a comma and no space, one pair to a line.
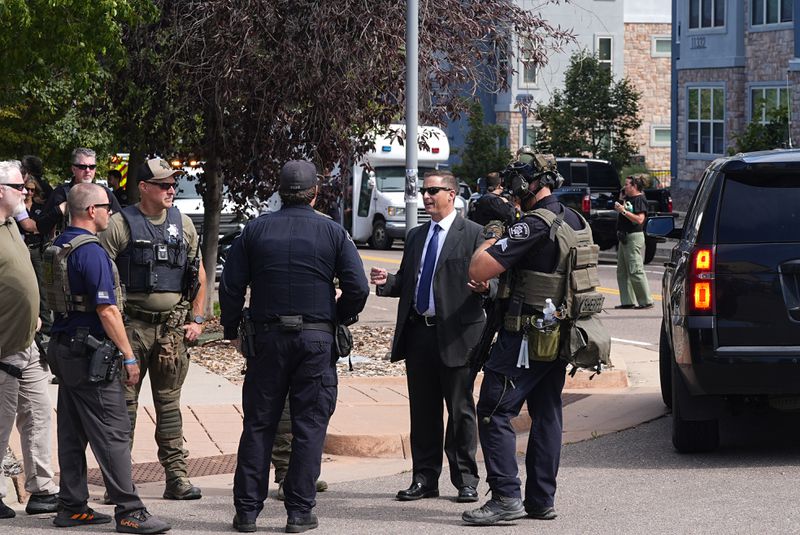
106,205
31,190
163,185
85,166
433,190
18,187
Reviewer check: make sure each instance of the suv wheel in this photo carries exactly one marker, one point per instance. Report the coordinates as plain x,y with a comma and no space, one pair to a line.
690,436
379,239
665,366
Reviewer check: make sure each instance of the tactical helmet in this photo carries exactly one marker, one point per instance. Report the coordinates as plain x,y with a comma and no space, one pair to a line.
529,166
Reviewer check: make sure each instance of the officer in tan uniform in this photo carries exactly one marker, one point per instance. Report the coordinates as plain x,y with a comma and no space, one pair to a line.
156,251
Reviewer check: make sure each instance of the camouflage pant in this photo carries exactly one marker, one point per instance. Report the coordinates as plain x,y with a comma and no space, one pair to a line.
282,447
161,351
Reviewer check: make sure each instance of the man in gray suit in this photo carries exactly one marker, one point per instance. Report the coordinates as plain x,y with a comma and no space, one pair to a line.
439,319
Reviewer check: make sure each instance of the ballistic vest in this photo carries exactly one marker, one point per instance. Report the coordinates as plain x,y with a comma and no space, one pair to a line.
572,284
156,258
56,279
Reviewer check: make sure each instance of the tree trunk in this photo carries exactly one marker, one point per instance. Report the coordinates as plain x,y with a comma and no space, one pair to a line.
135,159
212,205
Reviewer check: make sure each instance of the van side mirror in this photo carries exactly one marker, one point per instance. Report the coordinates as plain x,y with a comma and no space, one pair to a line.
663,227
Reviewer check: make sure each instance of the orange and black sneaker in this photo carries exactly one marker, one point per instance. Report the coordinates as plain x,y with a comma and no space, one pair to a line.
68,519
141,521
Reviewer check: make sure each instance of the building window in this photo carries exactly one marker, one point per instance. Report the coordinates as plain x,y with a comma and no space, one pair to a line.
661,46
660,136
706,120
604,49
706,13
771,11
527,68
765,102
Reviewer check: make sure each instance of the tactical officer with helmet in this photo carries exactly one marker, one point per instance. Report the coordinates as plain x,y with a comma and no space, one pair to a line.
289,259
87,337
521,366
155,248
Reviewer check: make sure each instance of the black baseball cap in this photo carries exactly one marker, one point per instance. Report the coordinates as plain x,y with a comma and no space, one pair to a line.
298,175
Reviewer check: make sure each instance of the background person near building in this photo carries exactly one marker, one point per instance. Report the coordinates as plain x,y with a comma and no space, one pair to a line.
439,319
114,178
91,409
531,253
634,291
83,167
23,374
492,206
155,248
289,260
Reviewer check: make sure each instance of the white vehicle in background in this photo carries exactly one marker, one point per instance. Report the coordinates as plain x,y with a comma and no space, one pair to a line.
374,201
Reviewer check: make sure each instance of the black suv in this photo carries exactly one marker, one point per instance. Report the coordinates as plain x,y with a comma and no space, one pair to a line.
731,295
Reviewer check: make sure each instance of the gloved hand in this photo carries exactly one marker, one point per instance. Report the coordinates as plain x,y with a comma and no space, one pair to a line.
494,229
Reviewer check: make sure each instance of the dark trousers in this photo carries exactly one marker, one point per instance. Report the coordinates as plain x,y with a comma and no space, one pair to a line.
430,382
501,400
302,365
94,414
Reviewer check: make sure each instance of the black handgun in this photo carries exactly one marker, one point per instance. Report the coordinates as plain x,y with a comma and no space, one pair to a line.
247,335
104,360
192,280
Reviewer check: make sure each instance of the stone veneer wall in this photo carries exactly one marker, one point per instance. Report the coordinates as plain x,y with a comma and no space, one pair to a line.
651,77
512,122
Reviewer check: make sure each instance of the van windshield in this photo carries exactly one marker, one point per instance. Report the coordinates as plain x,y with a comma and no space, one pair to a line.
393,178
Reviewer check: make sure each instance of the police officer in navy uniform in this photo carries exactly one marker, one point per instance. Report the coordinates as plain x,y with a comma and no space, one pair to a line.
92,411
289,259
530,246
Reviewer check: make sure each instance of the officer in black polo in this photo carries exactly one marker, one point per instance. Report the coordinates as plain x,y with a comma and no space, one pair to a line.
289,259
509,379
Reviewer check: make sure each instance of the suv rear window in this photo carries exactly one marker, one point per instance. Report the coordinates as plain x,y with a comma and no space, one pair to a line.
758,208
598,175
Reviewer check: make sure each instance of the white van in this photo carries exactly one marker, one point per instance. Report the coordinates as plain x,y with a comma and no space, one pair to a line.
374,201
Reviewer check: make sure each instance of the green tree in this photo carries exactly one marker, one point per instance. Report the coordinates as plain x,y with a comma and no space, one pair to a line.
593,116
758,136
483,152
58,58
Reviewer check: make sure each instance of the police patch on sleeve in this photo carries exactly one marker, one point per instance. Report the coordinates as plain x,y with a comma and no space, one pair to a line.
519,231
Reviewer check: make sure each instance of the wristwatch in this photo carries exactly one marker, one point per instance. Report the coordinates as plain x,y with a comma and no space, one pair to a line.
199,319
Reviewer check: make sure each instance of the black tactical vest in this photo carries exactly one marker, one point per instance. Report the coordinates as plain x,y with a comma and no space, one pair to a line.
156,257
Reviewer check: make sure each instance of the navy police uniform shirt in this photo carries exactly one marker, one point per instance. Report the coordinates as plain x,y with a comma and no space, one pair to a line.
289,259
90,273
526,246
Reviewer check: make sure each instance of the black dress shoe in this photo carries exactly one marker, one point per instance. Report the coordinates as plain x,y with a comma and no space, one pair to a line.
417,491
467,494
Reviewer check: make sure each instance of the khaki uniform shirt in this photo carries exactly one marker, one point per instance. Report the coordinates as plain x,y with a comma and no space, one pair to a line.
115,239
19,292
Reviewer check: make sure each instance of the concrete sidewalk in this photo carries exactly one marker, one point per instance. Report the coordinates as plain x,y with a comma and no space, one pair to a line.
368,434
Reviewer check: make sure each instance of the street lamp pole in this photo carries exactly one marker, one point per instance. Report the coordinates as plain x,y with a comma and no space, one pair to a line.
412,111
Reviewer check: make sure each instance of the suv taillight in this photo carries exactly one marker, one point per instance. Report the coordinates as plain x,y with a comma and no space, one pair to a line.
586,204
669,204
701,280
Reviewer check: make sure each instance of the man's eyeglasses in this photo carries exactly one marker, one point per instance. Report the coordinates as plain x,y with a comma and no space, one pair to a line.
18,187
433,190
163,185
31,190
106,205
85,166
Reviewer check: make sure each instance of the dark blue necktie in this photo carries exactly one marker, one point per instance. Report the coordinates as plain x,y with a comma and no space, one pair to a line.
426,277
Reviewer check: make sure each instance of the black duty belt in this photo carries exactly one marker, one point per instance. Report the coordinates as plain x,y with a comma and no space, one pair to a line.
145,315
323,326
11,370
428,321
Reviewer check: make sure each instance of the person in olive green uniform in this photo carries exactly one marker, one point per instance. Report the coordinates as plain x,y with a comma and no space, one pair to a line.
634,291
155,247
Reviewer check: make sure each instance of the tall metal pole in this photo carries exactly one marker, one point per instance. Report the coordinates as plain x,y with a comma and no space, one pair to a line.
412,111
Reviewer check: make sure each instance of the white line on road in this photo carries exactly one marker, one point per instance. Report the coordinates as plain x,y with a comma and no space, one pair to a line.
634,342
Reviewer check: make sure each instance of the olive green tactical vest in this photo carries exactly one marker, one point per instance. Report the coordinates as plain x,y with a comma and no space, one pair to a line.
56,280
